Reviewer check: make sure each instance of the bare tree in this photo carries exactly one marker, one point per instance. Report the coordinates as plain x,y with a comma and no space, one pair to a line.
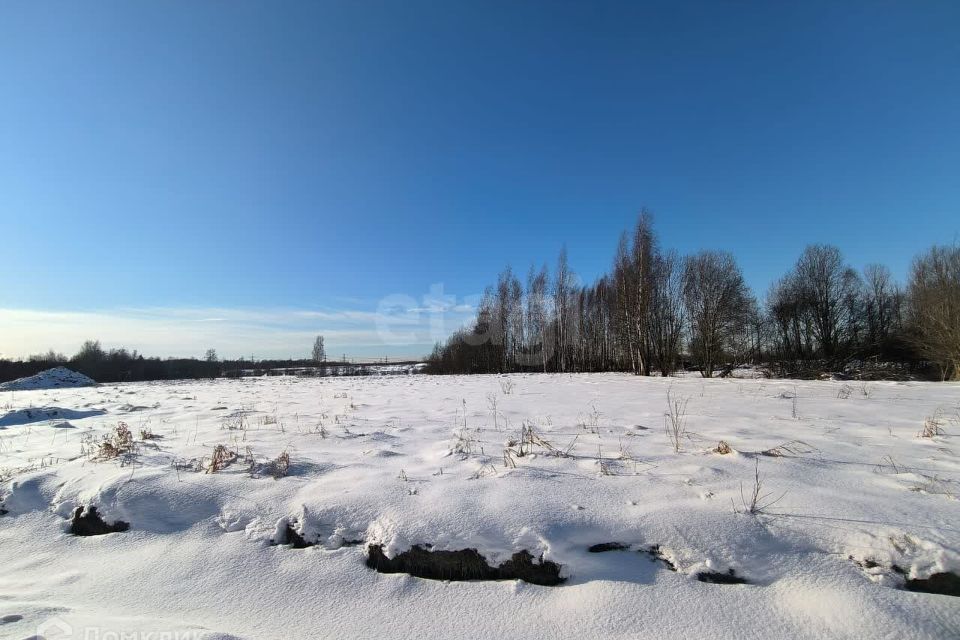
643,262
623,292
562,288
90,352
537,318
666,315
789,318
882,301
637,317
49,356
633,287
759,331
716,297
827,285
507,321
319,352
934,304
211,355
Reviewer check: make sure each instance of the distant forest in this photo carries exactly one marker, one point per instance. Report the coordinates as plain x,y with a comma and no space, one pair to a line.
656,312
121,365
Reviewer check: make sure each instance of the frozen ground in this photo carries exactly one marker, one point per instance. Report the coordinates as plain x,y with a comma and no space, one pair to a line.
864,505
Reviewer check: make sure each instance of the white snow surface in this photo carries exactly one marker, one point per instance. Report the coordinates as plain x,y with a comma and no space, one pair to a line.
49,379
404,460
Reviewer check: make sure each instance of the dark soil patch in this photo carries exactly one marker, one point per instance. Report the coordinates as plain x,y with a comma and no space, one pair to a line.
656,554
603,547
296,540
464,564
715,577
91,524
946,584
870,563
292,538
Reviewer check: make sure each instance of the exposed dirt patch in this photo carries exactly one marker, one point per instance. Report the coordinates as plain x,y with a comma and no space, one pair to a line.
351,543
90,523
464,564
715,577
870,563
945,584
656,553
291,537
603,547
294,539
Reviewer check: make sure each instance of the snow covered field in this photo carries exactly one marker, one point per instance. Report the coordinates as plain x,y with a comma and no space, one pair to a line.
861,505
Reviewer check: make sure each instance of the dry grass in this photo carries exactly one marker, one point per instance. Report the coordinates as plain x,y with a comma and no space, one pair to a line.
759,502
279,467
590,421
492,403
790,448
483,472
118,443
889,465
603,466
933,425
675,420
221,458
935,485
722,448
236,422
463,445
529,441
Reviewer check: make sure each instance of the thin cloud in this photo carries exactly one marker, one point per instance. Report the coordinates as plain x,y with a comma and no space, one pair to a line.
260,333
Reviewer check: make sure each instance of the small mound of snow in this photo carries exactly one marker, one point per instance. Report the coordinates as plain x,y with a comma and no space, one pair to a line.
49,379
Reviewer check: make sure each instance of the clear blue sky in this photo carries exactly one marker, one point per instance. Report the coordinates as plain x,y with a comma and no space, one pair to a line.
281,167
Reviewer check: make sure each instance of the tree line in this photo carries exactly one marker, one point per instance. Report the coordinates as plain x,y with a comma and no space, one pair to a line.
656,311
122,365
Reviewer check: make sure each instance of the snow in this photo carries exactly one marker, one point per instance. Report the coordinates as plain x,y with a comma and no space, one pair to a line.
49,379
405,460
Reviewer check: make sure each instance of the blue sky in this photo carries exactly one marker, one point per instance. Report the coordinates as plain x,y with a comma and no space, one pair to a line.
178,175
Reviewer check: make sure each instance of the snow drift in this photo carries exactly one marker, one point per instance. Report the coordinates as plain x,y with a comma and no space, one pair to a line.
58,377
